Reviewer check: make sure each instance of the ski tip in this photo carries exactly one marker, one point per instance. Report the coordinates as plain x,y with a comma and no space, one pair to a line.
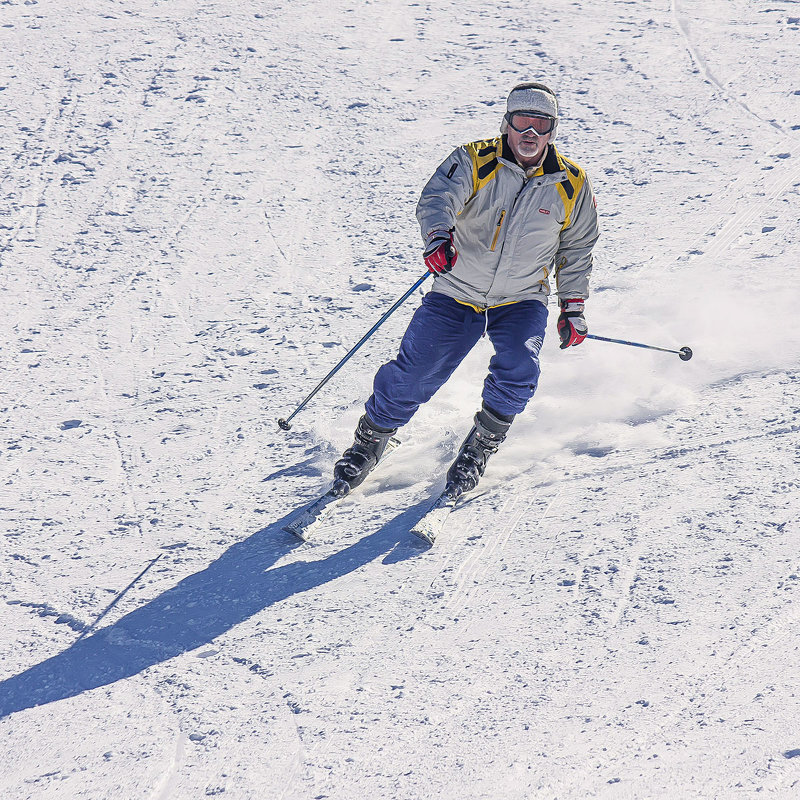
431,525
423,536
301,526
296,531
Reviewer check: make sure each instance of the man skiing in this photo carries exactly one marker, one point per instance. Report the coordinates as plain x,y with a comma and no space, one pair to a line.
499,219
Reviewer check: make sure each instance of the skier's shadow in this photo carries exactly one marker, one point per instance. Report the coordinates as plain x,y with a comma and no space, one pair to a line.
201,607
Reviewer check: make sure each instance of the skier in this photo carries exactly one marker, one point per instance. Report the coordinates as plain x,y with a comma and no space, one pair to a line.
499,219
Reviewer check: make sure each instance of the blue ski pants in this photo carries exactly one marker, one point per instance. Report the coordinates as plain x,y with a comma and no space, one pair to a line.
439,336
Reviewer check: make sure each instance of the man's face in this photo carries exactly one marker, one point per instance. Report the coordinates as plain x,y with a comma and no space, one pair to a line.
526,145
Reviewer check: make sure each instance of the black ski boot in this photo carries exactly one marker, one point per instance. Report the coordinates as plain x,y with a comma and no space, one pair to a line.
485,437
360,458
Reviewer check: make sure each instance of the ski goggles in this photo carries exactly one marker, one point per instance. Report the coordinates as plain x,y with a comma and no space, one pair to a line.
524,121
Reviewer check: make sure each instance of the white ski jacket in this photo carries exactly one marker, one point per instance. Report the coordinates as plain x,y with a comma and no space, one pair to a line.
513,231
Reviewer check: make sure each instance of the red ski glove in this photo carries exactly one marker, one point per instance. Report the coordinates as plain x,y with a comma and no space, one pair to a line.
572,327
440,255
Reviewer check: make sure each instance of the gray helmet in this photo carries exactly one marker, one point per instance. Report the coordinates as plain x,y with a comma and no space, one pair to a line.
535,97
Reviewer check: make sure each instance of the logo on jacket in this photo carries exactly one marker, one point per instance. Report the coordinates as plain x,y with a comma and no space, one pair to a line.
544,211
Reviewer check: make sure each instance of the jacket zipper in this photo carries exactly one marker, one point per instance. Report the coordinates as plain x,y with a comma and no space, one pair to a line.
497,229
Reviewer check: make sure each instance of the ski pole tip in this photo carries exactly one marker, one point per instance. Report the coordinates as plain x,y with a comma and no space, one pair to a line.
685,353
285,426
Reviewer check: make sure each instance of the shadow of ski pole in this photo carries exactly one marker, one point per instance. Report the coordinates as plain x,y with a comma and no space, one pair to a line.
200,608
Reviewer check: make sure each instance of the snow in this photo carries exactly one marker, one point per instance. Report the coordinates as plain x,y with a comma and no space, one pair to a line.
204,205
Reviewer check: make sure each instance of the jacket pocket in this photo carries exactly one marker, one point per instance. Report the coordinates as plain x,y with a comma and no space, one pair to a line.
497,229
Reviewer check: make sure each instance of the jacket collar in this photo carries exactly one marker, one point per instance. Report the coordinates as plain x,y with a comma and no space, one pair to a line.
552,161
505,150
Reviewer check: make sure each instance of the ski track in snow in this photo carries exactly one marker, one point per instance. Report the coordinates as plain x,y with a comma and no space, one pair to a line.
167,787
204,206
683,26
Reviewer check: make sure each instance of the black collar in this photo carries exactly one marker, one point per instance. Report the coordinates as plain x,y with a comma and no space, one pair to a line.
550,164
506,151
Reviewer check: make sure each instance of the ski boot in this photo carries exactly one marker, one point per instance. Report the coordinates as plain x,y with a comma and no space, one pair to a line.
487,434
361,457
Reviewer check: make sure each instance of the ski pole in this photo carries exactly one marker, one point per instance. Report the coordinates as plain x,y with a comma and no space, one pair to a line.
685,353
284,423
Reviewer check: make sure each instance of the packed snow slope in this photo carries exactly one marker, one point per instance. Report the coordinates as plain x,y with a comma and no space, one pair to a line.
204,205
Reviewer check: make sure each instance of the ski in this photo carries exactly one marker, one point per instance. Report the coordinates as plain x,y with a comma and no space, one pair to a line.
432,524
310,518
312,515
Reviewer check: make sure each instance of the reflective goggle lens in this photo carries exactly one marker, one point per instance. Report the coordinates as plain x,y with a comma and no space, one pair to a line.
521,121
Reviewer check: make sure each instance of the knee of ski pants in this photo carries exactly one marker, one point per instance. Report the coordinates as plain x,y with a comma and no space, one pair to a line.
517,336
441,332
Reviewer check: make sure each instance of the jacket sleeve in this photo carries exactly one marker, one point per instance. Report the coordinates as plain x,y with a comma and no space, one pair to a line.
445,194
573,259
